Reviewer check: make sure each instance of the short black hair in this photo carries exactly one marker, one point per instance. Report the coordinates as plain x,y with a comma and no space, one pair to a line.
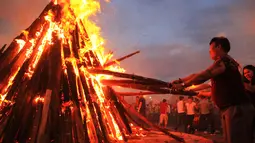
223,41
181,98
164,100
252,68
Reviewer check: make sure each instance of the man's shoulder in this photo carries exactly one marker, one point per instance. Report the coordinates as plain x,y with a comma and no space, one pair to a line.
228,61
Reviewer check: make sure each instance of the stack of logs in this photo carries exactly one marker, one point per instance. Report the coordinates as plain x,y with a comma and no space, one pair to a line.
60,116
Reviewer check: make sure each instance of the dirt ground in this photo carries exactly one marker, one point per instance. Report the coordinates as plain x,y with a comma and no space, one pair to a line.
158,137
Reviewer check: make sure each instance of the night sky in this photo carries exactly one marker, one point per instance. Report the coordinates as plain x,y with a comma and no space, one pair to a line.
172,35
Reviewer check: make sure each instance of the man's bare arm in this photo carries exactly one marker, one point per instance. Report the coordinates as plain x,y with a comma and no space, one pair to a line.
214,70
188,77
205,93
199,87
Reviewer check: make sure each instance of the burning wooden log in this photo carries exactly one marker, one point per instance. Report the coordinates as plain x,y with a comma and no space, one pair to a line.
129,76
52,90
133,111
30,33
149,86
113,82
119,107
136,93
120,59
2,49
141,83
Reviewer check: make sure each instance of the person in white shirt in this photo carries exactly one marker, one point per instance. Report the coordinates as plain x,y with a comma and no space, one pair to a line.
204,108
190,107
180,113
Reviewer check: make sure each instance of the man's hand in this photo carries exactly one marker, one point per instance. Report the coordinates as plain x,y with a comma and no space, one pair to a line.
178,86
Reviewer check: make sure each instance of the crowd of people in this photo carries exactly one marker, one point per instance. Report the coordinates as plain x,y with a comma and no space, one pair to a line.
232,94
187,114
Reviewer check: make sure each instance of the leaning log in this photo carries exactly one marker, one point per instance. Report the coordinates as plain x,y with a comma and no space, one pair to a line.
120,82
155,89
30,33
129,76
120,59
2,49
131,110
135,93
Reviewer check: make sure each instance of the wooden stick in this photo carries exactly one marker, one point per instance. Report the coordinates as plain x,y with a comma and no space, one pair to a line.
120,59
2,49
111,95
141,83
135,93
52,91
11,52
120,82
130,76
134,112
154,89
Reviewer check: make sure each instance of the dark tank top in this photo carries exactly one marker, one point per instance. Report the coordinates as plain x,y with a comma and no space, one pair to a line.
227,88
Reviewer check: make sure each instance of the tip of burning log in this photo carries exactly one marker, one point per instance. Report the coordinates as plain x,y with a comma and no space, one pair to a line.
120,59
3,47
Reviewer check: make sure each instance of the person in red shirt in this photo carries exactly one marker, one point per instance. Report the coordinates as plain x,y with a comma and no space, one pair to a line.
163,118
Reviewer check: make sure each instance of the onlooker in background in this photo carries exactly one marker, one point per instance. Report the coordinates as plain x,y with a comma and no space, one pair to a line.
204,107
163,118
180,113
249,81
142,106
190,106
136,102
150,111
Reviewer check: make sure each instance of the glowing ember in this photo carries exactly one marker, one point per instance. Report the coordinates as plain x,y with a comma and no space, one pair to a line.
39,99
21,44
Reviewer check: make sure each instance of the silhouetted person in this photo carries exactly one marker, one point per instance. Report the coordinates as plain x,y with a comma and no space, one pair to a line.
142,106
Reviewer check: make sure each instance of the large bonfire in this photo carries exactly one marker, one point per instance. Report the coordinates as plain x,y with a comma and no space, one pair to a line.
55,77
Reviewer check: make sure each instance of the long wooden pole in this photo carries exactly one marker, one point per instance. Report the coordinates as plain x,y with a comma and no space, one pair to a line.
120,59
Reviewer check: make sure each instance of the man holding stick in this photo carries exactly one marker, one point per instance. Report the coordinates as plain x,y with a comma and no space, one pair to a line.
227,91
